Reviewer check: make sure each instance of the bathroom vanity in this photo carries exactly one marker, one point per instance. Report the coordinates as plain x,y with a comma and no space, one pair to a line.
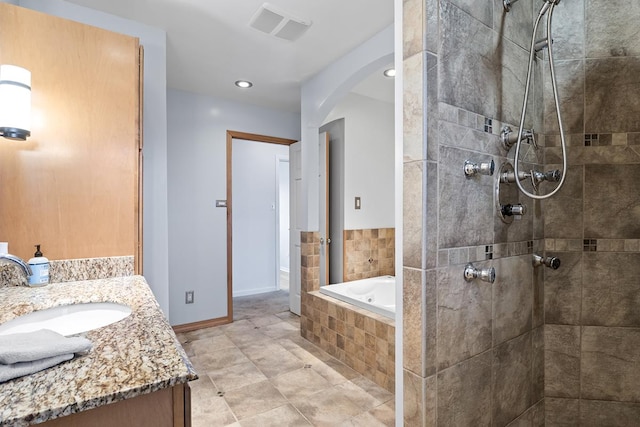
137,373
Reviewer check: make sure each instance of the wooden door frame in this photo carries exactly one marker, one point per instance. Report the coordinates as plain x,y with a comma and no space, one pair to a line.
231,135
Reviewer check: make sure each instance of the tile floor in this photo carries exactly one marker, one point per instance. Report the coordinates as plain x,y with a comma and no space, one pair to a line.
259,372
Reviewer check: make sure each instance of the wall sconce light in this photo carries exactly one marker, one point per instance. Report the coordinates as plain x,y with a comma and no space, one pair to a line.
15,102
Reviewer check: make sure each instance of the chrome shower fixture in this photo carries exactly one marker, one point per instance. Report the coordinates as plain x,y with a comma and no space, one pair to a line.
471,169
516,210
541,44
484,274
536,177
509,137
547,6
507,4
550,261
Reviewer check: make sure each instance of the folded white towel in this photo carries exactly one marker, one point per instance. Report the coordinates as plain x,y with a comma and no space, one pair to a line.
41,344
8,372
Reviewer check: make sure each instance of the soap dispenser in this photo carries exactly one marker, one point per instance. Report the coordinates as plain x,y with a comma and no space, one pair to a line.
40,268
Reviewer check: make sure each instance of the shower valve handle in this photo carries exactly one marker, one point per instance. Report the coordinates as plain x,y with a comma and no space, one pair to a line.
550,261
515,210
484,274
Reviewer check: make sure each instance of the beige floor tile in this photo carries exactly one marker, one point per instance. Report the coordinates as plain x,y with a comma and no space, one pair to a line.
235,376
280,330
381,394
208,409
259,371
327,408
262,321
244,338
386,414
199,334
208,345
329,373
254,399
218,359
300,383
284,416
358,396
273,359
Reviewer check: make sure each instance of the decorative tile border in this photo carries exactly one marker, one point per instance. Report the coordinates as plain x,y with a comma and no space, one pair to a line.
469,119
455,256
592,245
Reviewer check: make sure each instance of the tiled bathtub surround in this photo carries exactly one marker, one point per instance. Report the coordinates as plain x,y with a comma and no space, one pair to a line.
369,253
71,270
362,340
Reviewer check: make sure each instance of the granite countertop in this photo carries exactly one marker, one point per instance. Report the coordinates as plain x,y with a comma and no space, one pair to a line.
137,355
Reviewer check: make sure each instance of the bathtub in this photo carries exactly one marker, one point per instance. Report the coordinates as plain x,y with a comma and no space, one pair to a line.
377,294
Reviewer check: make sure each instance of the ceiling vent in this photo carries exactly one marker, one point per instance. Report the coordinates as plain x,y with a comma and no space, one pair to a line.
270,20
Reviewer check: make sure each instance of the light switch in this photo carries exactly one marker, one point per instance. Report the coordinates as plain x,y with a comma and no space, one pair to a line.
221,203
358,204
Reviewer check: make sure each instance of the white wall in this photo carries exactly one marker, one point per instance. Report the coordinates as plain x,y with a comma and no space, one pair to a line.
197,128
321,93
155,225
368,161
255,189
283,200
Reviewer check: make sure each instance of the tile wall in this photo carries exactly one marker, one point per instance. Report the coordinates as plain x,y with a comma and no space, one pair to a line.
369,253
362,340
592,332
473,352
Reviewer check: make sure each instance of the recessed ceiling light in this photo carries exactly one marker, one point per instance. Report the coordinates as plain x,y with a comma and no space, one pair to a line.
391,72
244,84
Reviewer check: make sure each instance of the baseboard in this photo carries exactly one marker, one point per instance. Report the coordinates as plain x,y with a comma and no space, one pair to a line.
255,291
188,327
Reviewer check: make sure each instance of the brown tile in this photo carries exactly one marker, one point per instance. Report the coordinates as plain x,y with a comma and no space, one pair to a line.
464,392
561,412
610,368
464,316
419,400
610,297
537,364
512,298
594,413
612,188
563,289
511,379
562,361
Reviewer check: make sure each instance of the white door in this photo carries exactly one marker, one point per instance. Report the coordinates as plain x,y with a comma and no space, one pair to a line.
325,237
296,217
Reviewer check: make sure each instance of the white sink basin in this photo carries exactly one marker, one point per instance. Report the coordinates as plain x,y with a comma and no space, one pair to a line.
68,319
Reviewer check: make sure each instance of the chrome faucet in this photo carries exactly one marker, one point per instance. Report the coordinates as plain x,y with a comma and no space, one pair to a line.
12,259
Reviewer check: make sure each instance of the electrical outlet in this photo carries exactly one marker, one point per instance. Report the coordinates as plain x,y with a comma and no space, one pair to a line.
188,297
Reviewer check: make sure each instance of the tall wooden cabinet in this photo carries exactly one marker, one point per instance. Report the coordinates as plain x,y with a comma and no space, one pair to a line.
73,186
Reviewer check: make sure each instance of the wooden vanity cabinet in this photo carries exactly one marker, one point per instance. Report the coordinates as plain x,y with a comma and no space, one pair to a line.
169,407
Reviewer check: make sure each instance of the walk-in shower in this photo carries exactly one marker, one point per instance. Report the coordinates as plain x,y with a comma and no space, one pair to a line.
536,45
